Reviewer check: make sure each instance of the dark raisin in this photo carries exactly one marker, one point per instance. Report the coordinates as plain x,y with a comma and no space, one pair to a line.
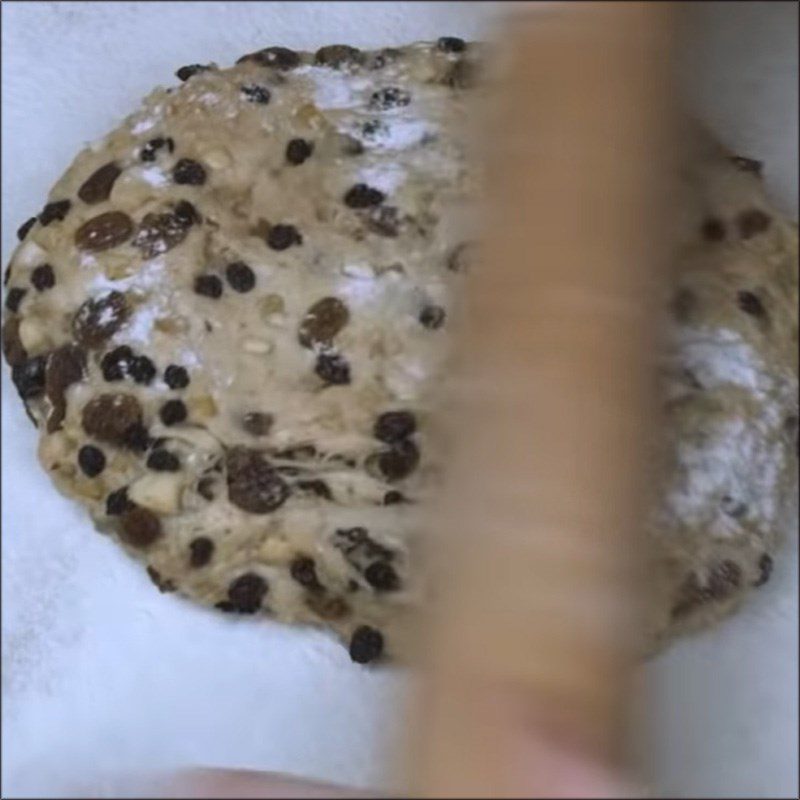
136,438
65,366
91,460
104,231
384,221
115,363
257,423
205,487
29,377
323,320
317,487
746,164
304,571
398,461
683,304
752,222
332,368
765,565
327,607
723,579
386,56
7,275
359,548
389,97
281,237
189,173
247,592
150,150
163,461
751,304
118,502
161,583
721,582
54,212
201,550
432,317
13,350
253,483
25,228
277,57
733,508
173,412
362,196
391,426
208,286
451,44
346,539
372,127
366,644
462,257
107,417
298,150
338,55
97,187
713,230
184,73
690,379
43,278
186,213
240,277
176,377
256,94
99,318
14,298
382,576
142,370
139,527
158,233
393,498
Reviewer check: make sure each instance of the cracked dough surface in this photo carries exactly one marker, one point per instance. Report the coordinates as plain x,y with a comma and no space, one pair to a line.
230,321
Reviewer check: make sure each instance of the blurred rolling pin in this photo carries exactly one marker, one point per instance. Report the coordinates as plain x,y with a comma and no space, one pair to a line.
538,529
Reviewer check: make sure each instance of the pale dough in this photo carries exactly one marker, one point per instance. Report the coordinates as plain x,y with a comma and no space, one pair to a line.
728,482
230,324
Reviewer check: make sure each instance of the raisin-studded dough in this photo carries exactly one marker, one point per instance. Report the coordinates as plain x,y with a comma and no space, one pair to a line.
728,479
230,324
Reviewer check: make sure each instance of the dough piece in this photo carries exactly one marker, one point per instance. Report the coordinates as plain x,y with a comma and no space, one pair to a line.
729,370
229,324
229,320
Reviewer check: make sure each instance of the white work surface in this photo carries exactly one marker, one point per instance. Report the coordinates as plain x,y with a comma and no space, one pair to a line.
103,674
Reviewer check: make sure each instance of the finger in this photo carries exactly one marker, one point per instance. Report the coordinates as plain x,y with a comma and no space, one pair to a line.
565,772
222,783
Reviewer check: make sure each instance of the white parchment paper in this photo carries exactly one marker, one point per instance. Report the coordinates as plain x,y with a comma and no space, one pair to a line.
104,675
